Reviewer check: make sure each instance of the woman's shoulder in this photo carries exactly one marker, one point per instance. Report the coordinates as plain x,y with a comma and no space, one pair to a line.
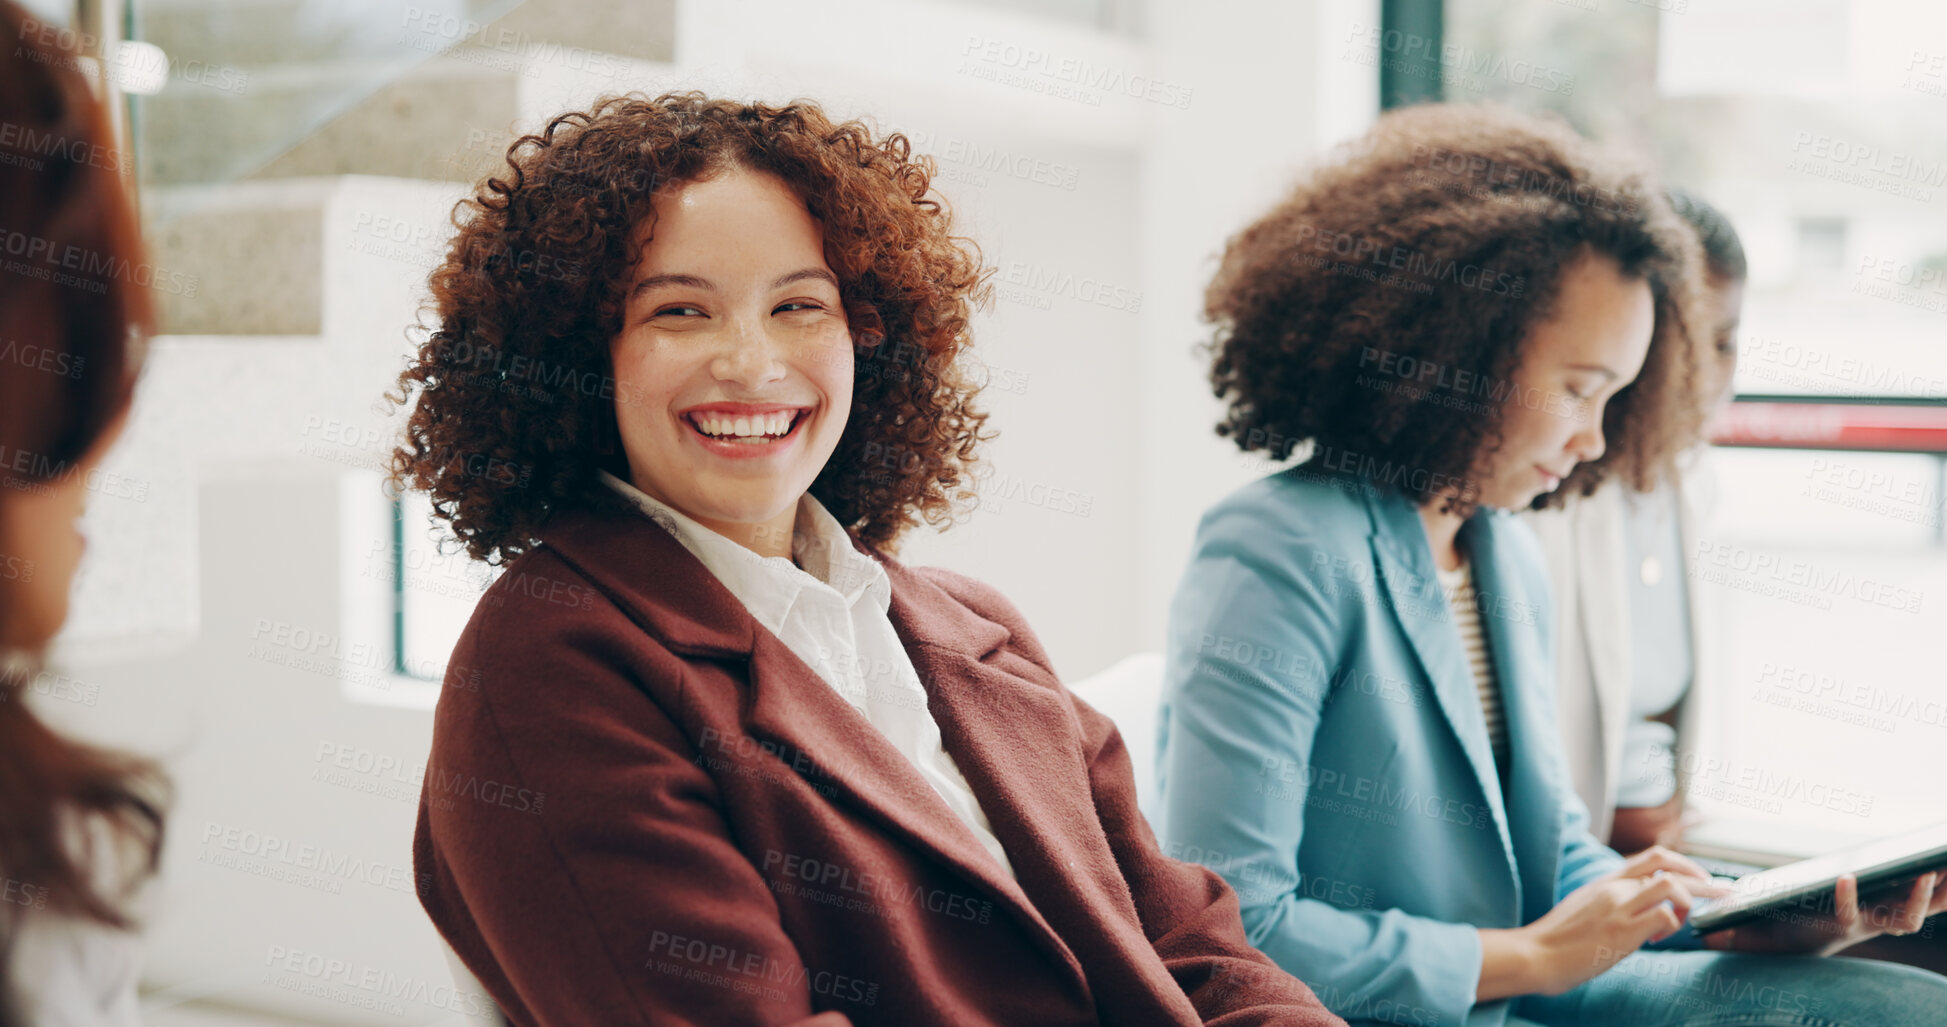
541,602
966,591
1298,508
535,583
1300,537
939,601
548,641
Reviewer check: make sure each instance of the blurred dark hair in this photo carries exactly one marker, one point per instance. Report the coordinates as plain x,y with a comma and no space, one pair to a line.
69,290
1723,253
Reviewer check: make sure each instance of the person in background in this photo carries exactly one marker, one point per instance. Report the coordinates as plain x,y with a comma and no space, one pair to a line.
1632,645
694,375
1460,314
80,828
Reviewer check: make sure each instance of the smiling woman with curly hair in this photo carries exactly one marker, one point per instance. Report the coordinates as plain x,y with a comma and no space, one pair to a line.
533,290
707,753
1463,313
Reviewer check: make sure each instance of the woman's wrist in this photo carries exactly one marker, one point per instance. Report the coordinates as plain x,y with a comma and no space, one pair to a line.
1513,962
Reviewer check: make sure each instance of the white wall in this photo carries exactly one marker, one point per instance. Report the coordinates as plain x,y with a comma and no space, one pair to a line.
1273,93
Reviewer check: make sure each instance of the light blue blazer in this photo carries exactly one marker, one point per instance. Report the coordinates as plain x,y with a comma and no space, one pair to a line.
1322,744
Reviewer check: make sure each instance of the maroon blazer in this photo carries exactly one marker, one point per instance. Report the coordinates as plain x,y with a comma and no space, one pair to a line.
642,808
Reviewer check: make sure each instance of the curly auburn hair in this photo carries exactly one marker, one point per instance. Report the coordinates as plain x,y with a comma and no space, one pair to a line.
515,409
1441,235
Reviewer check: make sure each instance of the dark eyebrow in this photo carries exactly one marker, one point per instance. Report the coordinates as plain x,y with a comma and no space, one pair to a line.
811,273
692,281
1595,367
657,281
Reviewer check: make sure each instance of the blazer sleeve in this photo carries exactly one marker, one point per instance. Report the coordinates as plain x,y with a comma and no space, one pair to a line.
1583,858
572,851
1230,720
1188,913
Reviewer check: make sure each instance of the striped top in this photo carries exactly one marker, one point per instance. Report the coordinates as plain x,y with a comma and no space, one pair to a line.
1459,587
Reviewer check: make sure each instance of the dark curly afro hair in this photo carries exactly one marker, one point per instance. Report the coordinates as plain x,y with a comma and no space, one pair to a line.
1441,236
515,410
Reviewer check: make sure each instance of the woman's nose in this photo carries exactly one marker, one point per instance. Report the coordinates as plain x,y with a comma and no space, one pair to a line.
749,357
1587,444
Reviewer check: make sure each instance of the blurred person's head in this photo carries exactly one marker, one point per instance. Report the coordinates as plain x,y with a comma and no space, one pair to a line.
1724,277
72,321
1469,304
728,305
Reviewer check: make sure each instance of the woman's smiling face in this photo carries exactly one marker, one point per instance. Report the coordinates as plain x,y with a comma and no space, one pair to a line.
733,366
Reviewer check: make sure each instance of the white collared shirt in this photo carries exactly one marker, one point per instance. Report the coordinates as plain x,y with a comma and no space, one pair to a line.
832,614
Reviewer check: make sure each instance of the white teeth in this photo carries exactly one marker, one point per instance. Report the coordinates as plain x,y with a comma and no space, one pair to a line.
746,428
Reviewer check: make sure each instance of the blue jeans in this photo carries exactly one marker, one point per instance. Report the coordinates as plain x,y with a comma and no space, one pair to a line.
1733,989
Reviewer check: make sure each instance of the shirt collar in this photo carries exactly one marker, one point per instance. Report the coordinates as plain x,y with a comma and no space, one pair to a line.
825,550
769,586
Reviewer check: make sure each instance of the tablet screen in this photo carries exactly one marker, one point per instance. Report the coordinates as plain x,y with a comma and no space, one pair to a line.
1884,861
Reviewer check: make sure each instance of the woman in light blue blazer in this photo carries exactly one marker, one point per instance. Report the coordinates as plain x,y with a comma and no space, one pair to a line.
1464,314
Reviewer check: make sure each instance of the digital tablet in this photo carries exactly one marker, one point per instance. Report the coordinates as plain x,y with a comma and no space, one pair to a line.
1807,885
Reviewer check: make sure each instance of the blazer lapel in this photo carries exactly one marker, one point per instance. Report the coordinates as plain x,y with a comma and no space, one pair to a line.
1413,592
1004,718
820,736
1534,784
1011,728
795,708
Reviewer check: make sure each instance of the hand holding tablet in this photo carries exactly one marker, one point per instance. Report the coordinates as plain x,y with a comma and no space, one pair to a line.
1814,904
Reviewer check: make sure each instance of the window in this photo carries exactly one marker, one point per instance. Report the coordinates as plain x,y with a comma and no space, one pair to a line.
1820,129
435,588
